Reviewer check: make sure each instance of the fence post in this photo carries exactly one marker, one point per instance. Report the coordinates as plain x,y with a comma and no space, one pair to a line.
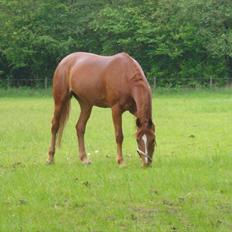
154,82
46,83
210,82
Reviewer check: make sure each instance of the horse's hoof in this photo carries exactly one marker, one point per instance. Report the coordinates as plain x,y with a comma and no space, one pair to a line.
120,162
122,165
86,162
49,162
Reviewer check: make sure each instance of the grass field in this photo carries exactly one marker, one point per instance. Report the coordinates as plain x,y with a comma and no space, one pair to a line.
189,187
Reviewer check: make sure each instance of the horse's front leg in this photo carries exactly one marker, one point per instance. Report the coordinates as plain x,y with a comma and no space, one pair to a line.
117,119
80,128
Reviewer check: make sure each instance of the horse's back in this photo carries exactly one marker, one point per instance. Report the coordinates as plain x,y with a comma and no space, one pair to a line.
99,80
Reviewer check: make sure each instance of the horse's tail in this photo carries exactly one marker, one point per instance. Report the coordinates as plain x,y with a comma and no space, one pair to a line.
62,97
63,118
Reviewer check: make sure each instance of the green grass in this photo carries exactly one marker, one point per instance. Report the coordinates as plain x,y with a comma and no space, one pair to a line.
189,187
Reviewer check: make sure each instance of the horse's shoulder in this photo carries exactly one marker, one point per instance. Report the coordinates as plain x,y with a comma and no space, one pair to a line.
123,56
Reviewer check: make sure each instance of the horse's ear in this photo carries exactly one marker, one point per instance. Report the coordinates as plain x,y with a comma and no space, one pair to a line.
138,123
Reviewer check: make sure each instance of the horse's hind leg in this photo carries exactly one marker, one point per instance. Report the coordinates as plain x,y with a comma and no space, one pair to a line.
80,129
54,130
61,110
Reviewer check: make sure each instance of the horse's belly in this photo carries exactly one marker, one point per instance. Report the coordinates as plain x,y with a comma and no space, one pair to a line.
101,93
92,94
102,105
97,88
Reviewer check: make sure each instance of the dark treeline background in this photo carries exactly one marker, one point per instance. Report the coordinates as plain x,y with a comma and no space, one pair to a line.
172,39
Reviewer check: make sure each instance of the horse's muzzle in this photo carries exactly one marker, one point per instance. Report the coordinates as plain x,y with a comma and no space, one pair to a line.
144,156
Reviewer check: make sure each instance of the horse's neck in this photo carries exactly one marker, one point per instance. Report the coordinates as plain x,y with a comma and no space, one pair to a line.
142,98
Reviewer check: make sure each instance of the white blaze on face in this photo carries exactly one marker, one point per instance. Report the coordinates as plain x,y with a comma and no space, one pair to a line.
144,138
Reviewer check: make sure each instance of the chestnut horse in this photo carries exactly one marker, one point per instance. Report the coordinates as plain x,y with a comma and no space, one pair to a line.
114,81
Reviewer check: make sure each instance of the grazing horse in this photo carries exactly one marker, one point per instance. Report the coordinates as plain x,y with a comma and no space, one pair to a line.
114,81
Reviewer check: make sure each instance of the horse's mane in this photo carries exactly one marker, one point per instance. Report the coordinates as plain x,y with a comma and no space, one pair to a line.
138,75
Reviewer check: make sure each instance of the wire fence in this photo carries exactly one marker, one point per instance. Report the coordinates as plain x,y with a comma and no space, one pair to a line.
154,82
211,82
26,82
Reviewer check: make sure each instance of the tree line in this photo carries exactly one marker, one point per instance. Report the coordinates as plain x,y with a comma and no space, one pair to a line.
171,39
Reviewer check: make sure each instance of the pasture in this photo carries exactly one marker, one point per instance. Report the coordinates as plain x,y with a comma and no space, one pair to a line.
188,188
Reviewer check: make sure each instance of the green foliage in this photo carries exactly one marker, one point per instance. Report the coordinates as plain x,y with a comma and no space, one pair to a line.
173,40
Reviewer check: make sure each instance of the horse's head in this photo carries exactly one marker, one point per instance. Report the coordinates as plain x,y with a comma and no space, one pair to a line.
146,141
